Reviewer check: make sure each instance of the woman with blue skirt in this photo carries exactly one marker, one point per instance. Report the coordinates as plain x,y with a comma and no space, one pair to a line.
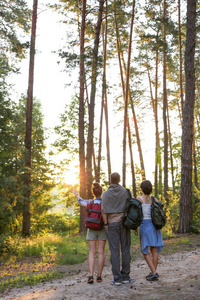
149,236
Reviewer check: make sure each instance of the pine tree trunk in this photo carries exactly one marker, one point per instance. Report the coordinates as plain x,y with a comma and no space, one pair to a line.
90,143
136,127
120,58
132,162
105,98
81,119
180,57
100,135
165,112
157,150
171,154
126,98
188,121
27,200
195,161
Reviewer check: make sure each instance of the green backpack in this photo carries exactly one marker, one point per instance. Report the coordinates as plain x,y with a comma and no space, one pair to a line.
133,215
158,216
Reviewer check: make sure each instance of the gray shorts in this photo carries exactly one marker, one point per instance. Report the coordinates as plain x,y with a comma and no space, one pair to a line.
94,235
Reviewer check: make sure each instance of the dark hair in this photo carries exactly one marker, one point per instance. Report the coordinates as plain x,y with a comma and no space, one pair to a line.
146,187
97,189
115,178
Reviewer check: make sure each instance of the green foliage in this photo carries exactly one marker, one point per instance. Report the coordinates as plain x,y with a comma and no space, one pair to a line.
24,279
172,213
12,165
68,128
15,22
50,247
44,224
54,222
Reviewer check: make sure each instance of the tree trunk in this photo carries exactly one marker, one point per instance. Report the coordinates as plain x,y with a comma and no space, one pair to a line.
188,120
195,161
136,127
165,112
126,98
92,101
105,99
171,154
81,119
120,58
26,206
132,162
100,134
180,57
157,150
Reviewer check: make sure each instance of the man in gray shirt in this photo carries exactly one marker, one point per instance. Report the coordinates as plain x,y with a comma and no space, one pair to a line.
114,204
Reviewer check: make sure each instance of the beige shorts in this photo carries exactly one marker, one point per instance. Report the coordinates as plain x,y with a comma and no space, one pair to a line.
94,235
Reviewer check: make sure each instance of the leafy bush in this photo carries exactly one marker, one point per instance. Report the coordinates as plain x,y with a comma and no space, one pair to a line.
54,222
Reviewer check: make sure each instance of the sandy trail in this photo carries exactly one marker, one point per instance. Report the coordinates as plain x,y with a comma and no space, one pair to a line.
179,279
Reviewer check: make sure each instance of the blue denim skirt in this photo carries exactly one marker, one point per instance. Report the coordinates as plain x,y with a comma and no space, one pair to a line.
150,237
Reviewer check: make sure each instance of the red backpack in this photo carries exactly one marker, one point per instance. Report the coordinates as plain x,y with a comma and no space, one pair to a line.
94,218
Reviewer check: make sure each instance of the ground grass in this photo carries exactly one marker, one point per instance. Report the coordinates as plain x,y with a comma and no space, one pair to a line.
41,258
58,248
20,281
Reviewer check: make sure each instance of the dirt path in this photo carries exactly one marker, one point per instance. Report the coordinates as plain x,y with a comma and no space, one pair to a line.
179,279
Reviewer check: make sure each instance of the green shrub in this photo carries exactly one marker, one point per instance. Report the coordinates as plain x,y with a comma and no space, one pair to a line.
54,222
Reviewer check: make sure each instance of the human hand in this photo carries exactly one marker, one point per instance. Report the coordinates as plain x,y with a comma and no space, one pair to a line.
136,232
75,192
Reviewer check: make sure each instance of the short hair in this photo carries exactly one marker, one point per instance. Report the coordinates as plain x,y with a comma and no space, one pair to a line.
146,187
97,189
115,178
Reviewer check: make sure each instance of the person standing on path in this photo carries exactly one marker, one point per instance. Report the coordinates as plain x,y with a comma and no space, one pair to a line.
114,204
149,236
95,235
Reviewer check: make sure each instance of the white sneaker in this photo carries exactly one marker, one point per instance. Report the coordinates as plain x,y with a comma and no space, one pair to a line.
115,282
128,281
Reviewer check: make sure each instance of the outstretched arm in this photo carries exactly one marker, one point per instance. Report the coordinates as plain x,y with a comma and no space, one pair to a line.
80,200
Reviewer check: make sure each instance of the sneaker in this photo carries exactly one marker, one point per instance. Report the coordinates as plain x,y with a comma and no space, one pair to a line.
150,274
128,280
115,282
152,277
99,279
90,279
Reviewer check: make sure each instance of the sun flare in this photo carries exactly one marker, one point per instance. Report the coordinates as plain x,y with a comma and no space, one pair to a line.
71,176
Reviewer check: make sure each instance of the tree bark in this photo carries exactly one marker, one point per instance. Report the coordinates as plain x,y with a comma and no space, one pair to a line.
180,57
188,120
132,161
81,119
105,98
90,143
195,160
165,111
170,147
126,98
26,205
121,58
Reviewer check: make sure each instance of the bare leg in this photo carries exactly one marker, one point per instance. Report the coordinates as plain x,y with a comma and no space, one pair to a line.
101,256
150,263
91,258
154,253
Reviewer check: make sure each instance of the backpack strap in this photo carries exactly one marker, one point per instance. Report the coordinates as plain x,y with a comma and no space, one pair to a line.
129,193
90,209
143,202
